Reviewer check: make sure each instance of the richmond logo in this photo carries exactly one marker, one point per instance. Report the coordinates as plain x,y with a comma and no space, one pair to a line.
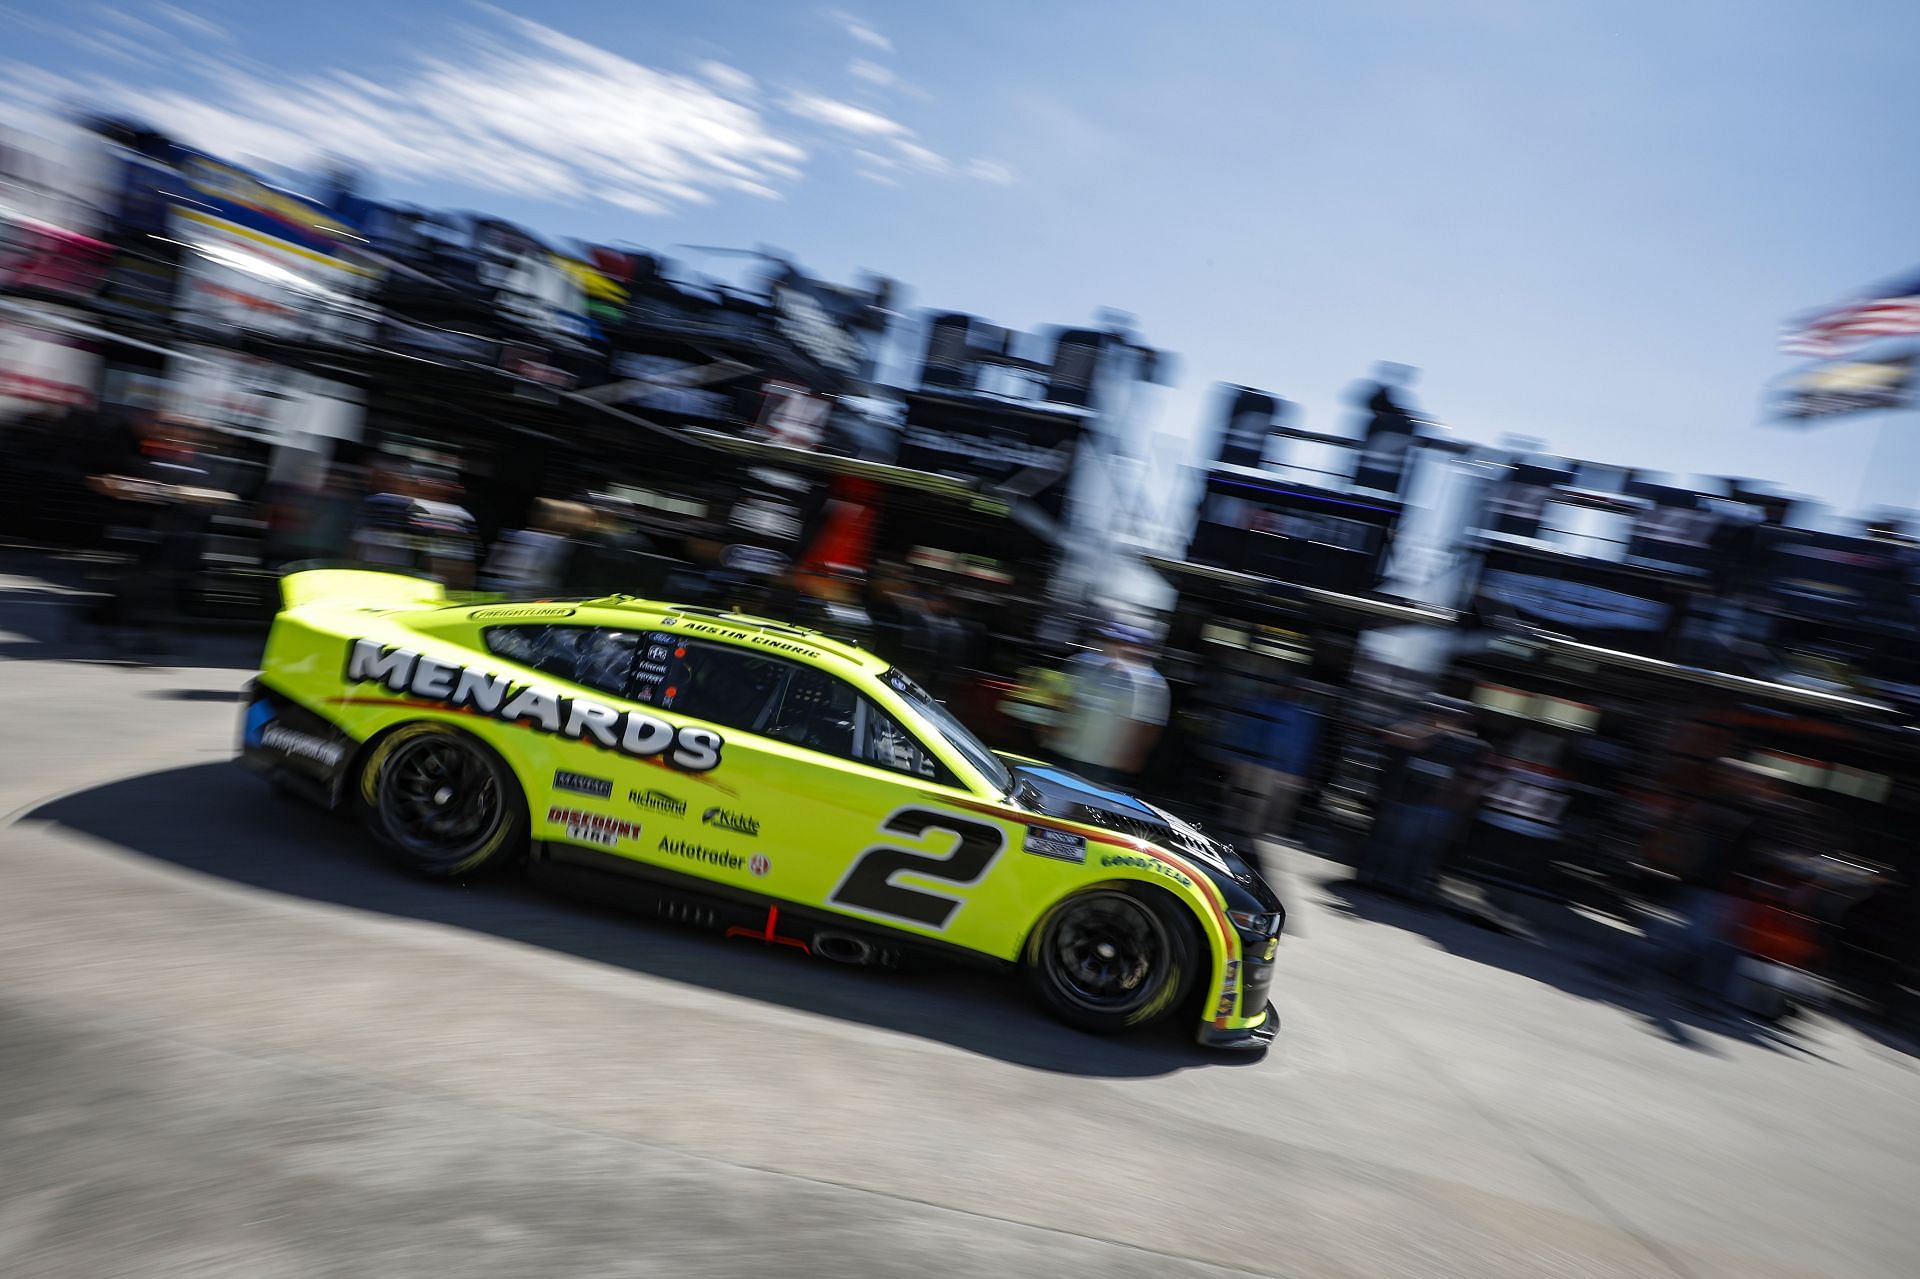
659,801
727,819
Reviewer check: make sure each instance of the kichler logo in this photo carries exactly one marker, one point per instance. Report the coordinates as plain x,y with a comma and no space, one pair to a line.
727,819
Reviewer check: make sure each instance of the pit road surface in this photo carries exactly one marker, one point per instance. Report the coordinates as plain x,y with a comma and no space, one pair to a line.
233,1043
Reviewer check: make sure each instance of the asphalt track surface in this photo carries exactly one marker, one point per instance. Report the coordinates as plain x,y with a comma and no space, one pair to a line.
232,1042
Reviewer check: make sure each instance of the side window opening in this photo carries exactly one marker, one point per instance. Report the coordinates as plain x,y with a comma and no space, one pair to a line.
818,712
711,681
887,745
799,705
599,657
823,713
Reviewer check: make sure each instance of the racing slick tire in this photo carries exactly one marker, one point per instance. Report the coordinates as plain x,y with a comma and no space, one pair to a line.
1114,958
440,802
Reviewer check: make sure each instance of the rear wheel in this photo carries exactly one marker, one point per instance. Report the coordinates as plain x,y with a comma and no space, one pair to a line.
1113,959
441,802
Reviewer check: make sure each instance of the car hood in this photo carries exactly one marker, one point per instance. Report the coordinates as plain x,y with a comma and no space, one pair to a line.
1056,792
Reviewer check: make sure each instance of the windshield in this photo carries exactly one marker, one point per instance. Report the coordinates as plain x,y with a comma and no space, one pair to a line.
953,730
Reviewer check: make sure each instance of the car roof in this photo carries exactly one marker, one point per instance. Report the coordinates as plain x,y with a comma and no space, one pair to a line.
693,621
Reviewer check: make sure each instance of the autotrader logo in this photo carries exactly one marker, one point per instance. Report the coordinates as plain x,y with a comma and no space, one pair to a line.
727,819
694,852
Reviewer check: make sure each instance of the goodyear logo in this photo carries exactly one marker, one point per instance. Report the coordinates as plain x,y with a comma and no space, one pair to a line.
1154,865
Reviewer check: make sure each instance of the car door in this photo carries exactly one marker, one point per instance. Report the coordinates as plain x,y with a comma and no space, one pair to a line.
896,839
579,791
817,776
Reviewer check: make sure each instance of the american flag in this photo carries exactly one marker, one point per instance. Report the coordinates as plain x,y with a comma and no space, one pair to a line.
1891,313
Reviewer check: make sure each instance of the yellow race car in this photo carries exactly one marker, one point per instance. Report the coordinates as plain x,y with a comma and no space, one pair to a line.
752,776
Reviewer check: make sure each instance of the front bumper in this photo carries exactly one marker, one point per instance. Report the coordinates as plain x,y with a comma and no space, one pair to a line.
1253,1038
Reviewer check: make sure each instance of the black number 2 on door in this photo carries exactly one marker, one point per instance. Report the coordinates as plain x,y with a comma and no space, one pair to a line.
869,887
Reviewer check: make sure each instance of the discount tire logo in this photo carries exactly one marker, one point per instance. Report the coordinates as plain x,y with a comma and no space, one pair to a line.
593,828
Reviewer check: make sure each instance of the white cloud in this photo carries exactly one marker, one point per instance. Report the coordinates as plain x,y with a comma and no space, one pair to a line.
528,111
728,79
115,45
902,155
989,171
861,31
511,106
918,157
872,72
199,24
844,116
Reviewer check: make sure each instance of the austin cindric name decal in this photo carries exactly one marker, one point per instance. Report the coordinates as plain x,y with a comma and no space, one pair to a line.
635,733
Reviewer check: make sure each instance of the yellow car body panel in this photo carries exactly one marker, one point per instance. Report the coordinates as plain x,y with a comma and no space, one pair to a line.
951,859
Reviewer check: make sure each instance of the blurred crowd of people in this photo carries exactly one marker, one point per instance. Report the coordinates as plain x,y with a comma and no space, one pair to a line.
1726,856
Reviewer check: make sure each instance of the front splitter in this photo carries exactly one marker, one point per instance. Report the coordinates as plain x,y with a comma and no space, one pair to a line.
1244,1038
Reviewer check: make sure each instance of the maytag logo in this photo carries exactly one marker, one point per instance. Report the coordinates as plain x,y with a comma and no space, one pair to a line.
659,801
727,819
581,784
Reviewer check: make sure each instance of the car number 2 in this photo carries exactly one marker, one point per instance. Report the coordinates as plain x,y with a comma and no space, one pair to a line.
869,888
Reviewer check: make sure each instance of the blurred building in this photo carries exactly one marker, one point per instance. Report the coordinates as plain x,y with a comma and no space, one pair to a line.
1624,634
327,340
1289,561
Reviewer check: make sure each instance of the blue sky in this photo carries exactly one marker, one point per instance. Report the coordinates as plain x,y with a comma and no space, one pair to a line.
1584,222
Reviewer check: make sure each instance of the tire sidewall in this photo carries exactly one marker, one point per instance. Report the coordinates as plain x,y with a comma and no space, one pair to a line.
1174,980
508,835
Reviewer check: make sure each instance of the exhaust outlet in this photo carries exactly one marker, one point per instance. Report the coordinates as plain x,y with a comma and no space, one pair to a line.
845,948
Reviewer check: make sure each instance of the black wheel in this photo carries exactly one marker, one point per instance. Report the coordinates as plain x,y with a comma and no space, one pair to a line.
1113,959
440,801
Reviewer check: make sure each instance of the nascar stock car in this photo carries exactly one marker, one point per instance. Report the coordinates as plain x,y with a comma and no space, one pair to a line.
741,773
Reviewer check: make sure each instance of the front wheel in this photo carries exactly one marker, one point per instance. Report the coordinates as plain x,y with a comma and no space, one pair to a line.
1113,959
440,801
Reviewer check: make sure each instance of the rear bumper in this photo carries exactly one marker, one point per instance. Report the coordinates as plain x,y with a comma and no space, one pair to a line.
1249,1038
284,740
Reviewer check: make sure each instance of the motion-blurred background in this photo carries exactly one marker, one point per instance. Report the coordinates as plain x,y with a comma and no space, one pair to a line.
228,346
1497,480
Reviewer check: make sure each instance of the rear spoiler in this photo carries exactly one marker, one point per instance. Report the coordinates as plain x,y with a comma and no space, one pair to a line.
361,587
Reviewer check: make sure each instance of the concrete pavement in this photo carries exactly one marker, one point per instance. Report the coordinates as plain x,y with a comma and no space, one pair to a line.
233,1043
